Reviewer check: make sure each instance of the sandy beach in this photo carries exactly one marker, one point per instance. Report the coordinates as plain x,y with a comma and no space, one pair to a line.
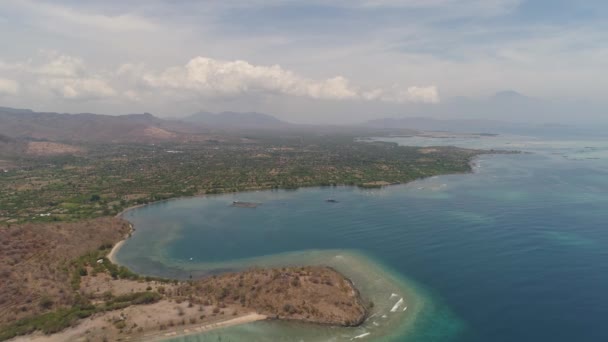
112,255
192,330
92,329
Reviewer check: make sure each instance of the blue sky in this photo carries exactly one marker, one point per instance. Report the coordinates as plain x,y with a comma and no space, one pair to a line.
305,61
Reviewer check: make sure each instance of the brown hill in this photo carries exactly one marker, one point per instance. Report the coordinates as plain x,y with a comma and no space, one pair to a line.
45,148
34,260
10,147
53,275
24,123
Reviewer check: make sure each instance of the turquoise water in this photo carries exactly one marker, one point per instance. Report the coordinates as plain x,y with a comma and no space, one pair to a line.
515,251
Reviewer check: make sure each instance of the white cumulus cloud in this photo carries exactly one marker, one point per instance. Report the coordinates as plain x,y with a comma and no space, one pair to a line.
60,76
422,94
62,66
210,77
79,88
8,87
66,77
216,78
398,94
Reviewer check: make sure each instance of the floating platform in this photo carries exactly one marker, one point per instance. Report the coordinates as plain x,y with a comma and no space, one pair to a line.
241,204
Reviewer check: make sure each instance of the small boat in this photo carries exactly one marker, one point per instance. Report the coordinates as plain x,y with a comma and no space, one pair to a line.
331,200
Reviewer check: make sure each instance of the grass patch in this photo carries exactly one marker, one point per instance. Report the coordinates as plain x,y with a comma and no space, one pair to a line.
48,323
60,319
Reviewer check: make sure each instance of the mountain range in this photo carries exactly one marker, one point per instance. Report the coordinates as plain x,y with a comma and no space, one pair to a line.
25,123
235,120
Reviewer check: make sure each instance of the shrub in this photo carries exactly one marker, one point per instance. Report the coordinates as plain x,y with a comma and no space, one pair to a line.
46,302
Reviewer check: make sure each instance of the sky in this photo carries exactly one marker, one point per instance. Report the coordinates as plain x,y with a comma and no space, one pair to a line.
313,61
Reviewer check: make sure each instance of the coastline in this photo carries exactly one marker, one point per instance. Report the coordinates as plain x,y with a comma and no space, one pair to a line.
112,255
197,329
135,206
470,163
251,317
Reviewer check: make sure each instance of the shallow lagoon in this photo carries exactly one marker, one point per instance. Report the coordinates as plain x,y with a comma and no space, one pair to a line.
515,251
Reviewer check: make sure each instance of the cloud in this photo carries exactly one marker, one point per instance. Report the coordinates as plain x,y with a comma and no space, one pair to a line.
52,64
70,78
493,5
8,87
215,78
56,14
396,94
210,77
79,88
62,66
341,57
422,94
439,8
60,75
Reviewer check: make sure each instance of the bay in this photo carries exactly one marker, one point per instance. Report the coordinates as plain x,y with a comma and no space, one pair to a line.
515,251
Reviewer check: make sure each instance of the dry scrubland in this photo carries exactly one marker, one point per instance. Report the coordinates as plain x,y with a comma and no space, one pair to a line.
37,262
56,279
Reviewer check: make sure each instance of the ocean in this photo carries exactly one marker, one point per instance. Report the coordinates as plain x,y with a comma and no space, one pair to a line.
515,251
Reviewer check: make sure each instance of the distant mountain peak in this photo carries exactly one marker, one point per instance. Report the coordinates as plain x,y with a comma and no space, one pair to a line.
234,119
15,110
509,94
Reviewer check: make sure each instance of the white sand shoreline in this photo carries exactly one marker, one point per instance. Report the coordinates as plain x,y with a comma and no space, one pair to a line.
193,330
112,255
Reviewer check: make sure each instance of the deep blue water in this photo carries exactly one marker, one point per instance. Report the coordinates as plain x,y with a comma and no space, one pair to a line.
516,251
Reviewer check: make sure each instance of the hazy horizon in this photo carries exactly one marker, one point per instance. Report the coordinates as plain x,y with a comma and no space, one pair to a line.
337,62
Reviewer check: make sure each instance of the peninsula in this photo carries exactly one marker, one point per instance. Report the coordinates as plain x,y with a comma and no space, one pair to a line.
58,276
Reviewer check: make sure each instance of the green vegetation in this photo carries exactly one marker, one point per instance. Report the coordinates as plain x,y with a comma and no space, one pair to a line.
48,323
79,267
90,260
60,319
112,177
121,302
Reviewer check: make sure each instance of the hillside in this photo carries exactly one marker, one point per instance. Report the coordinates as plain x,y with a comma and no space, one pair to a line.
35,260
55,275
10,146
24,123
20,127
